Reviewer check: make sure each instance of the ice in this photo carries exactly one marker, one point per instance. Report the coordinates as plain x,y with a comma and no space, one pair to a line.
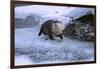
37,50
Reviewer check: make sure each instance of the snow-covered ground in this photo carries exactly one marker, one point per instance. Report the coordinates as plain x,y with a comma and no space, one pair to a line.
32,49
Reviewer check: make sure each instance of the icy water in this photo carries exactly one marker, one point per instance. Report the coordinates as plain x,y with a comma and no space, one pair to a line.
33,49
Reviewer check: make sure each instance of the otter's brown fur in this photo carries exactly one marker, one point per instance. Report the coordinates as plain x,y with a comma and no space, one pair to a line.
46,29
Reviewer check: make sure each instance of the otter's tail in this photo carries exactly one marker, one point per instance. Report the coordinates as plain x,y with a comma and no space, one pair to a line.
40,32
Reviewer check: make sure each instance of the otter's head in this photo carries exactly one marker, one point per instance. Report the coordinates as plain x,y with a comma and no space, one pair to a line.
57,28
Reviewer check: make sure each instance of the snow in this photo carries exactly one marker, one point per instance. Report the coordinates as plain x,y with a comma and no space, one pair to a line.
37,50
22,12
63,14
23,59
32,49
78,12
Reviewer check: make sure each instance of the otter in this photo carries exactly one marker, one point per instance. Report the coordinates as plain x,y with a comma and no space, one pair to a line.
52,29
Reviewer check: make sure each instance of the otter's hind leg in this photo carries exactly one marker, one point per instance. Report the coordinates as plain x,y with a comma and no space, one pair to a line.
51,36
